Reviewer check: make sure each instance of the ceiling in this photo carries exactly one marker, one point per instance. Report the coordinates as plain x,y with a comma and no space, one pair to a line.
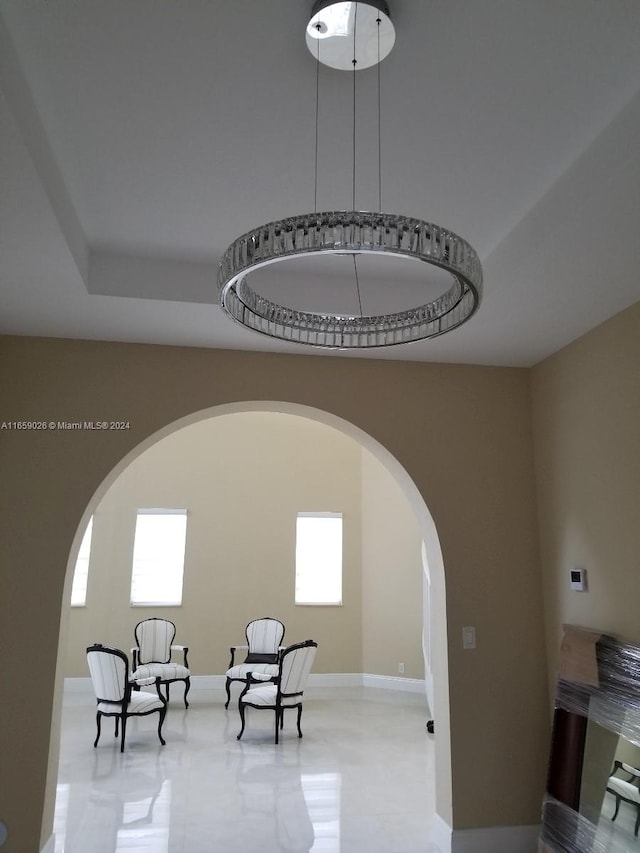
138,139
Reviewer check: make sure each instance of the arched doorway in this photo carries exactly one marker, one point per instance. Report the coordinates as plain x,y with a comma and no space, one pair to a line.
425,522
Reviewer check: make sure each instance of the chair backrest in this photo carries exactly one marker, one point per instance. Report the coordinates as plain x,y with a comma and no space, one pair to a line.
295,666
109,670
264,636
154,637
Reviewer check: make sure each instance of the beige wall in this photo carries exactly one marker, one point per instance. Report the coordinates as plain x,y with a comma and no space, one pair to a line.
587,437
243,477
392,589
463,436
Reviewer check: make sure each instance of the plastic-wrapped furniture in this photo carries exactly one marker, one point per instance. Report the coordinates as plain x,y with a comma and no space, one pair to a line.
115,694
152,655
264,638
286,691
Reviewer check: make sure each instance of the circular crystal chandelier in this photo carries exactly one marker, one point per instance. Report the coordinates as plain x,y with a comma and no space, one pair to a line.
352,35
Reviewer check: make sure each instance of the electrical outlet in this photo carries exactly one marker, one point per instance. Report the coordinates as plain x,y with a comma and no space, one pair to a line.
400,667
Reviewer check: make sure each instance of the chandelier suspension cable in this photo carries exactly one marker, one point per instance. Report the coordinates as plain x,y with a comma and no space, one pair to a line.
354,62
315,182
355,271
378,22
353,191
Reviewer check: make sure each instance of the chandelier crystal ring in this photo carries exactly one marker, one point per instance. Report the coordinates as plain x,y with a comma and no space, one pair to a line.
350,232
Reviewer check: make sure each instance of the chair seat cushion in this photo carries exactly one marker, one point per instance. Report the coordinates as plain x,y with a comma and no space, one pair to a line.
624,789
166,671
243,669
265,697
140,703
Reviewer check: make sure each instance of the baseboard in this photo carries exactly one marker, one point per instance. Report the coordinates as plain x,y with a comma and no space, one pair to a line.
50,846
494,839
392,682
318,679
441,832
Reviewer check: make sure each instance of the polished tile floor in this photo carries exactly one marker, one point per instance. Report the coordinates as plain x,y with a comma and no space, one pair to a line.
361,780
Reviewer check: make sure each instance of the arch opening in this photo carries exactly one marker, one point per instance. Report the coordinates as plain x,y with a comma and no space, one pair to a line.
437,674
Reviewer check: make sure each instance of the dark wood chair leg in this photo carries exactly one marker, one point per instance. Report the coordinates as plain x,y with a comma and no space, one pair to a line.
124,729
241,709
615,814
299,718
228,689
162,714
98,721
187,687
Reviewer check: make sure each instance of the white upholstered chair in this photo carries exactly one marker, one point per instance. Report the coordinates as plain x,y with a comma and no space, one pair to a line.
264,638
285,691
625,787
152,655
115,694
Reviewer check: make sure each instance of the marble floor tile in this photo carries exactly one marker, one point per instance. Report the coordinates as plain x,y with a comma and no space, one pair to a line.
361,778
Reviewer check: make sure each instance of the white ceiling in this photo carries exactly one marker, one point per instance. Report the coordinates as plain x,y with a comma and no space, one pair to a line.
138,139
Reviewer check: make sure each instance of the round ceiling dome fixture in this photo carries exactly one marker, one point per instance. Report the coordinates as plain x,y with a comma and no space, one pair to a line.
362,31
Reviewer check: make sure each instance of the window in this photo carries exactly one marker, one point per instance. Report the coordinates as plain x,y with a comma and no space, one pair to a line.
81,573
158,557
319,558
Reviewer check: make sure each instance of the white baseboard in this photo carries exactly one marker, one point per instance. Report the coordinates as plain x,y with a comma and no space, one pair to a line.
392,682
441,834
494,839
50,846
318,679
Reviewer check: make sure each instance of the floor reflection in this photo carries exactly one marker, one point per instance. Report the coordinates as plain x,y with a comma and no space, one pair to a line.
271,786
361,778
322,795
122,809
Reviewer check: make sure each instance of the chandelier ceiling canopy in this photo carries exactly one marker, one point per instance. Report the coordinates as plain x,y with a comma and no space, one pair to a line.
350,36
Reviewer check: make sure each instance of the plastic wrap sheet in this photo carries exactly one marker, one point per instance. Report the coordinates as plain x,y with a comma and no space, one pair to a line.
599,680
564,829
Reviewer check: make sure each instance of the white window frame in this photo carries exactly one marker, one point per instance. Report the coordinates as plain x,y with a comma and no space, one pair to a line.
168,559
81,571
318,575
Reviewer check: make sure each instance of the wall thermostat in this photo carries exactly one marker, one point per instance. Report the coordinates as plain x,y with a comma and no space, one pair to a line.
578,579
